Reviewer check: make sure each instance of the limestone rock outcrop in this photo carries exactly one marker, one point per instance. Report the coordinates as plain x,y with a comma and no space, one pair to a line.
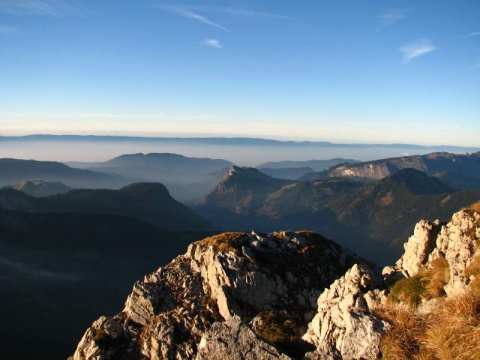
278,296
238,341
344,327
185,307
455,241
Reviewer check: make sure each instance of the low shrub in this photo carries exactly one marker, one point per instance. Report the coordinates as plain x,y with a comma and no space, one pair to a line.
409,291
274,331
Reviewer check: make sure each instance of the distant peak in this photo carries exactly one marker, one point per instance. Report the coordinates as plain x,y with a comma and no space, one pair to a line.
418,182
248,172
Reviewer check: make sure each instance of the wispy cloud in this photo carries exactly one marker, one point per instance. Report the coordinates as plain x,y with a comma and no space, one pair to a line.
390,17
192,15
5,29
42,7
476,66
416,49
238,12
476,33
212,43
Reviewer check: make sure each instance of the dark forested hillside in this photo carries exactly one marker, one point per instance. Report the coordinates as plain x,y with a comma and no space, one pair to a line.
13,171
373,219
60,271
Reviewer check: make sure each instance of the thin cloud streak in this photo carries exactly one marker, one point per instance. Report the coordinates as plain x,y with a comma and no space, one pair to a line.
476,33
238,12
390,17
41,7
192,15
212,43
416,49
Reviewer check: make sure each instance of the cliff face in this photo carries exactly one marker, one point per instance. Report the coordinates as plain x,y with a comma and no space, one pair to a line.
456,241
283,295
457,171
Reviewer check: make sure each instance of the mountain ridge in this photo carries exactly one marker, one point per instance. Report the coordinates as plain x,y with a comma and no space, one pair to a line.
150,202
371,218
458,171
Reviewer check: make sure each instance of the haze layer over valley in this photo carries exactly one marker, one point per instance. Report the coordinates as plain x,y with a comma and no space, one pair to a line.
240,151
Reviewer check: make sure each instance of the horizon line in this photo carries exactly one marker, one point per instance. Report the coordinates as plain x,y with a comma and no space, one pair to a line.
193,138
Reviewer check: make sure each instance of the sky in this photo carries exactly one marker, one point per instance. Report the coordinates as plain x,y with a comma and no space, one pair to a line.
343,71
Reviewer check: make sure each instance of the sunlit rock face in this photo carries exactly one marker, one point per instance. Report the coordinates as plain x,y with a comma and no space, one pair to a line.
274,296
344,326
455,241
226,279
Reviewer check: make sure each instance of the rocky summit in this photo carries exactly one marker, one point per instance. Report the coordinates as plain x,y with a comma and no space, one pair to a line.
284,295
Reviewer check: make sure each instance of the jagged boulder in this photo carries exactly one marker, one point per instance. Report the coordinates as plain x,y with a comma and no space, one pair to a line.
236,339
418,247
455,241
172,312
344,327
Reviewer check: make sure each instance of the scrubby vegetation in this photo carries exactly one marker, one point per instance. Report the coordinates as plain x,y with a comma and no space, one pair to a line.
474,208
403,341
274,330
435,278
428,284
229,241
408,291
450,331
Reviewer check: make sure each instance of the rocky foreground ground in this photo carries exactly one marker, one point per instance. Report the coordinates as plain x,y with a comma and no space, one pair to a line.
282,295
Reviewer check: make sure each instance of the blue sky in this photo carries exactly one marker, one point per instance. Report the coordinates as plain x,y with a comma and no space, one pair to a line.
344,71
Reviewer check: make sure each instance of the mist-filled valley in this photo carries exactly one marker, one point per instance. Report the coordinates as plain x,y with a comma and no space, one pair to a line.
240,151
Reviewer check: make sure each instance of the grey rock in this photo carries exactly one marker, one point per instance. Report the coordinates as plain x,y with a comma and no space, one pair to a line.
237,341
344,327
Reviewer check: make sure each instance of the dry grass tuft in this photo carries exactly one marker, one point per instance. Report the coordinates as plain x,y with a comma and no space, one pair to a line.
436,277
474,207
229,241
450,331
403,340
473,270
454,328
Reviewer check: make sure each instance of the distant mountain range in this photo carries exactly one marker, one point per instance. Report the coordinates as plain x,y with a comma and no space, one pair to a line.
187,178
231,141
315,165
286,173
294,170
14,171
149,202
40,188
458,171
373,219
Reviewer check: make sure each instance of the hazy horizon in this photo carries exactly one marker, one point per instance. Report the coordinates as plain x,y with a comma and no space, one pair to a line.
240,151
